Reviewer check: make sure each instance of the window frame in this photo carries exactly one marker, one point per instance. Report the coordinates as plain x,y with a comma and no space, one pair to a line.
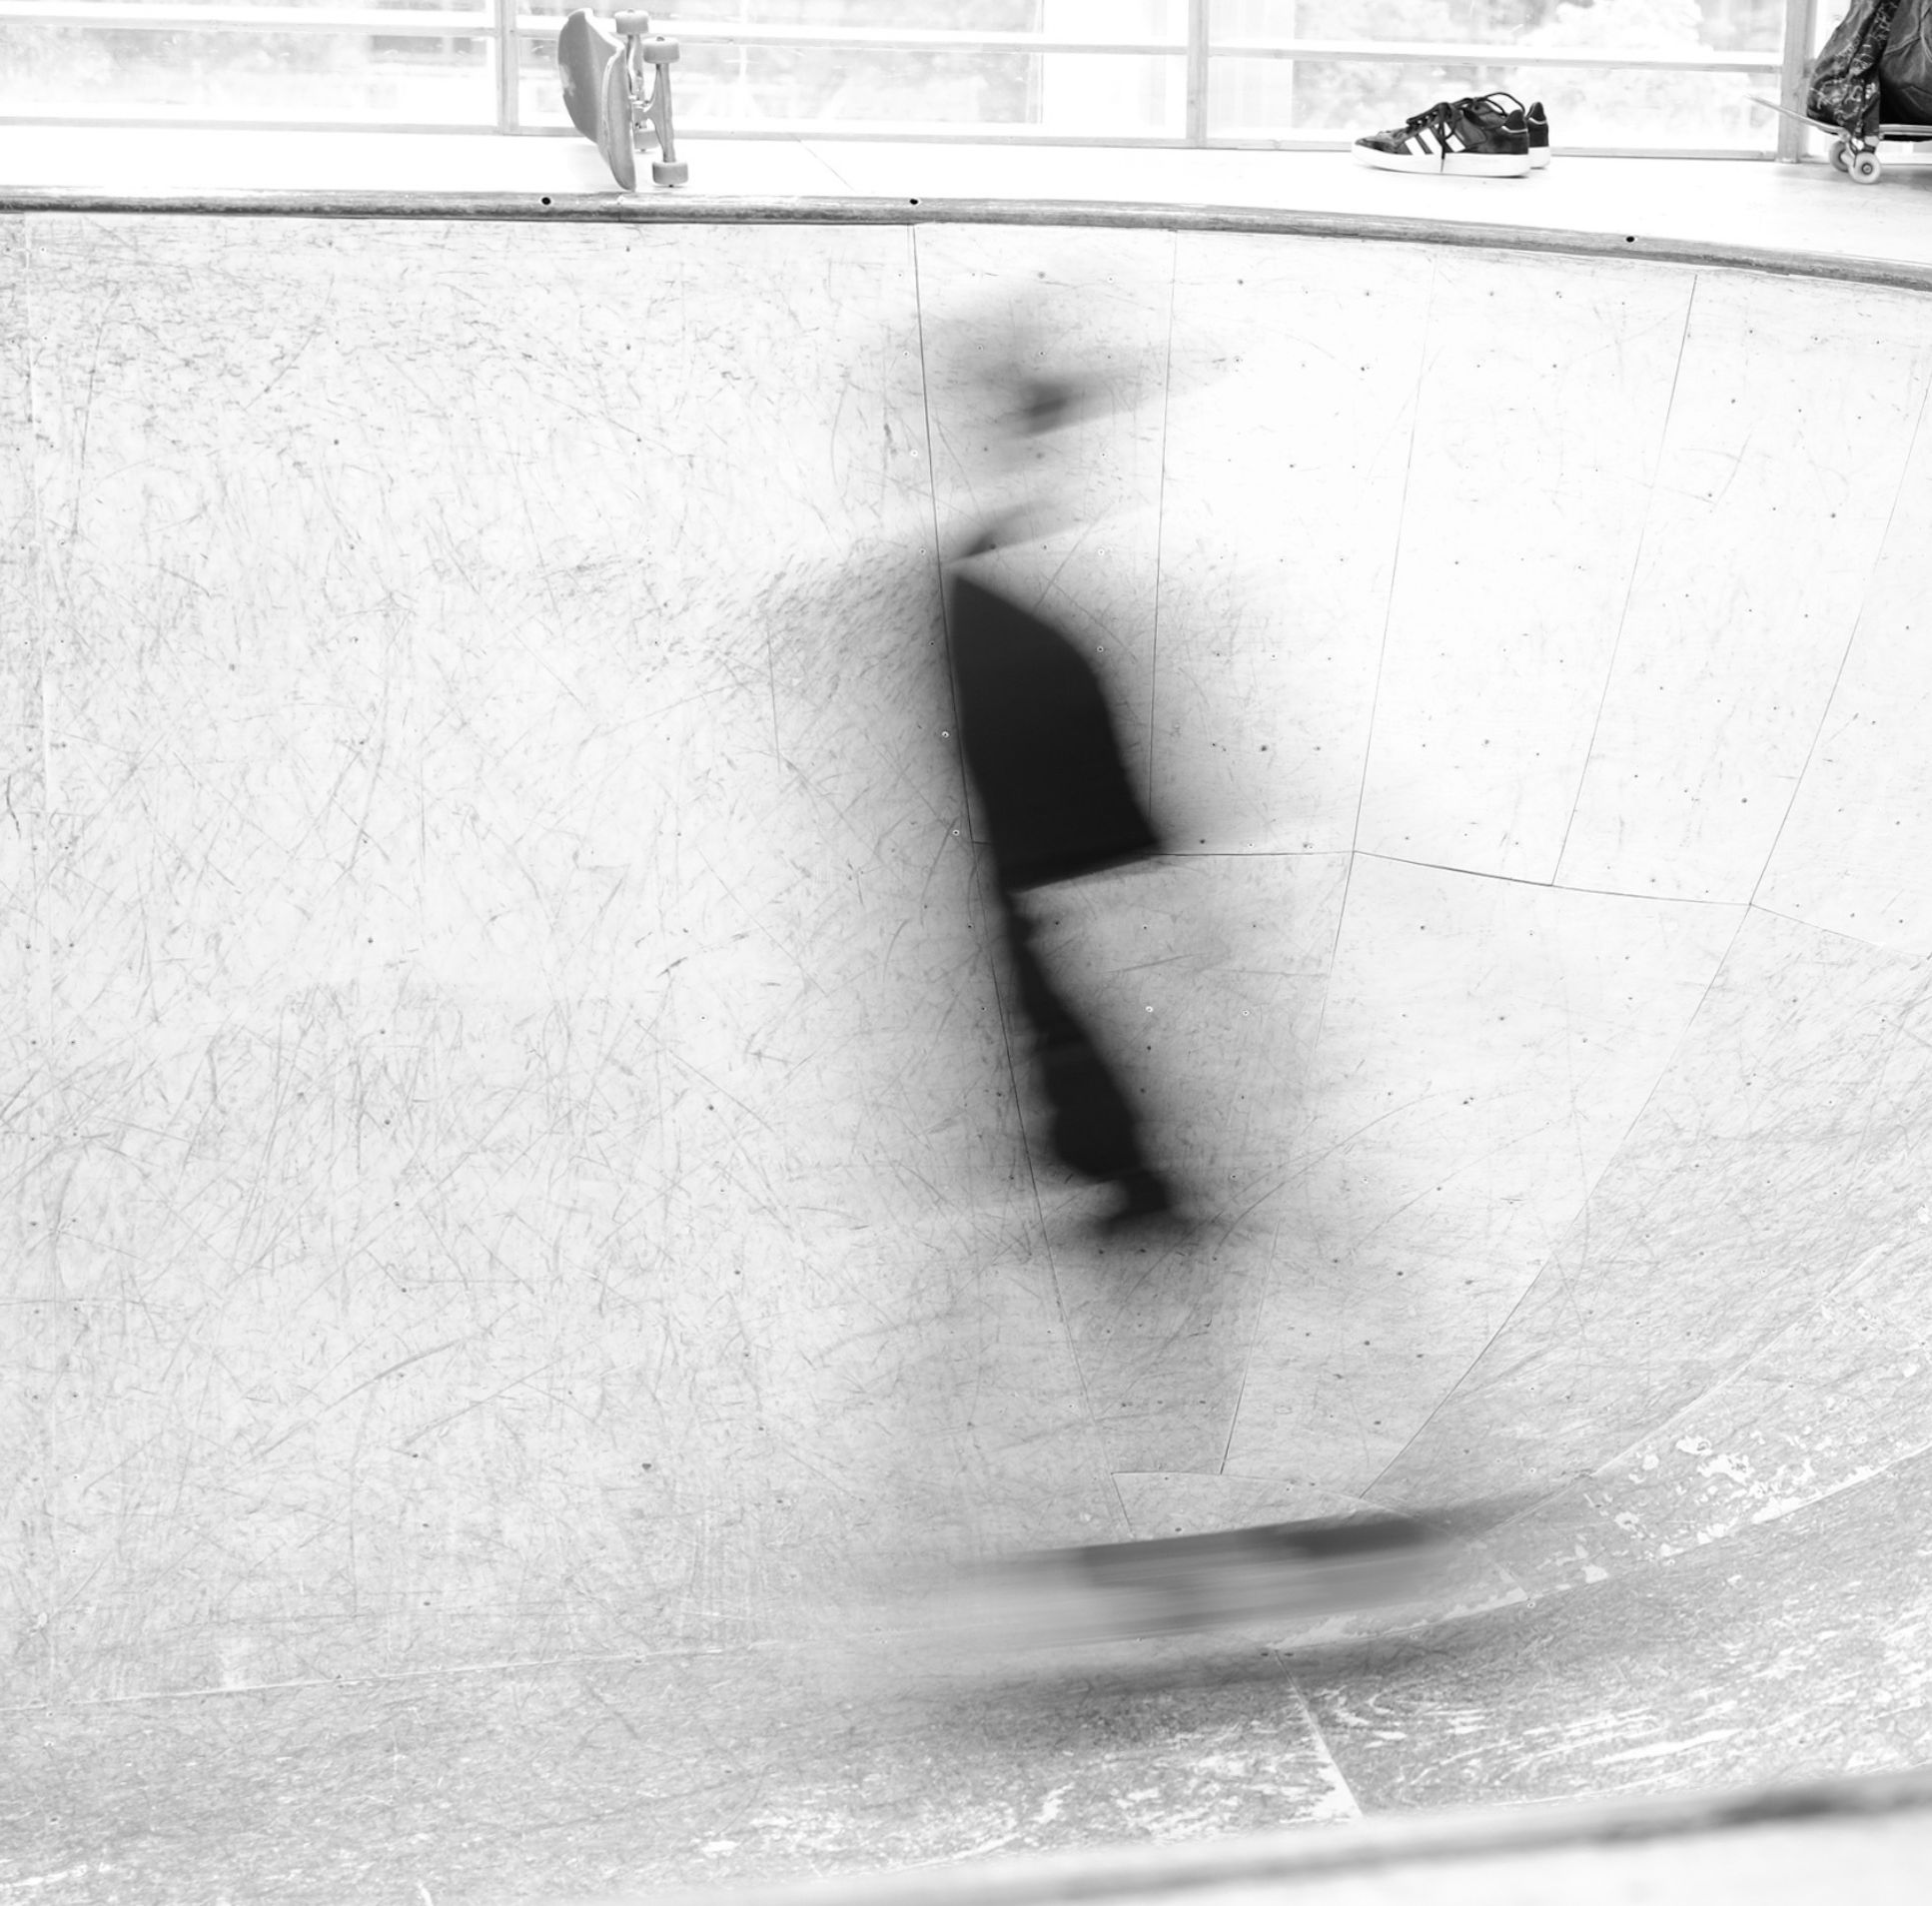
506,32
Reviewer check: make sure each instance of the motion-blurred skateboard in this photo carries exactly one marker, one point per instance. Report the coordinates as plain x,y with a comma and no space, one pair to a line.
1181,1583
1852,153
619,97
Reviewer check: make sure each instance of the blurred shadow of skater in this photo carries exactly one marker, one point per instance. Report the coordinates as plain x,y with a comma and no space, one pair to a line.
1042,750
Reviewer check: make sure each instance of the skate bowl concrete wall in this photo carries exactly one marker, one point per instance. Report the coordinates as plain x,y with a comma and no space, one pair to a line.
523,1197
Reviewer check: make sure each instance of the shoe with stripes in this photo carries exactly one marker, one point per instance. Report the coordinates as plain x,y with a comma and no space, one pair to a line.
1535,122
1469,136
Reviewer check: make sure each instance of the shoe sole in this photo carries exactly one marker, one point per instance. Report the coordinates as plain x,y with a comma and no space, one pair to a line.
1478,165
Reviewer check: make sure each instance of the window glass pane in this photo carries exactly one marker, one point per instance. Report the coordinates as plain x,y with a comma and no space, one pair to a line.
1096,95
715,87
1114,19
1588,106
202,74
752,85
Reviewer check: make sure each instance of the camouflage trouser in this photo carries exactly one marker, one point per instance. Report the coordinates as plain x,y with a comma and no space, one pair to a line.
1845,81
1905,73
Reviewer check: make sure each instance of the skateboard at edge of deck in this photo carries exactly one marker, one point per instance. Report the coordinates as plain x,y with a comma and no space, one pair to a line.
609,99
1854,154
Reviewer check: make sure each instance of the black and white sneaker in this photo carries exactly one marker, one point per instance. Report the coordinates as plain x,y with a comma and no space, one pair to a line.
1470,135
1535,122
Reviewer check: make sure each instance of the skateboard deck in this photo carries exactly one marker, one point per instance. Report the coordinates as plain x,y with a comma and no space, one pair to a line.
581,54
610,99
1229,1578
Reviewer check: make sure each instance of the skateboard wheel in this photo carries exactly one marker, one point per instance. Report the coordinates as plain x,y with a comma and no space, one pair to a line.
661,52
633,23
672,171
1864,166
1841,156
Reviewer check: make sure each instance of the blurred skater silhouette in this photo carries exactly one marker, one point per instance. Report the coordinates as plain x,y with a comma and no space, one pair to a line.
1042,750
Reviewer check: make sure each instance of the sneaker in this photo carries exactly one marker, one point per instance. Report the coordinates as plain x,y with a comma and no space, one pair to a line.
1535,122
1470,135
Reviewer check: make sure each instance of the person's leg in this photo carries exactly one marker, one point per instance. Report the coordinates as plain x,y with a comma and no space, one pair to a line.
1093,1129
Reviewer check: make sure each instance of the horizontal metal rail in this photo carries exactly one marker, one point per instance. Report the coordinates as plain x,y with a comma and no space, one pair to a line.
402,21
190,119
128,13
880,38
1456,53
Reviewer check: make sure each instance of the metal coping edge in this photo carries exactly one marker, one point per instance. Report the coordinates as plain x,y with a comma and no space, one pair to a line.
683,208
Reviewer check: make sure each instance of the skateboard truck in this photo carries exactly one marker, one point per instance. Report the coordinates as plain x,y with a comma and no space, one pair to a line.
621,96
649,105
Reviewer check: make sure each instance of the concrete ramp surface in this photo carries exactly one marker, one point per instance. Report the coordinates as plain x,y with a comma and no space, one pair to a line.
528,1202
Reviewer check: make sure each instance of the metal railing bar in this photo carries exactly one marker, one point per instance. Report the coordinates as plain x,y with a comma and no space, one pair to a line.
1432,53
1012,133
1800,23
185,119
1199,31
157,120
106,13
881,39
414,21
507,56
691,32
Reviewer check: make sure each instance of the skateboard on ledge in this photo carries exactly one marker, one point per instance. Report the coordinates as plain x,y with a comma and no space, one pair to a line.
1229,1578
619,97
1851,153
